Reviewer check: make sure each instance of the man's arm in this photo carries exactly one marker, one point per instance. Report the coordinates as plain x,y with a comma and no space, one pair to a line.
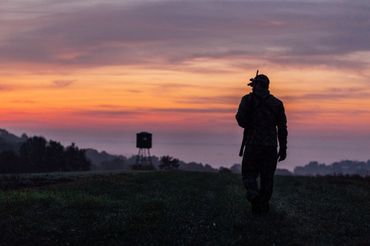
240,116
282,133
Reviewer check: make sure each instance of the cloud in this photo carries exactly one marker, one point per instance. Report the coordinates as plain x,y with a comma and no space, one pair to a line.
207,100
165,88
5,87
25,101
170,33
331,94
63,83
193,110
316,116
117,111
106,113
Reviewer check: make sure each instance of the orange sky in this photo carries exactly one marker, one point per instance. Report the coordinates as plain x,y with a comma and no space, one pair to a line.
70,70
315,98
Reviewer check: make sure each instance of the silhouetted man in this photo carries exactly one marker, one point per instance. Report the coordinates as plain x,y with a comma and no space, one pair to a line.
263,118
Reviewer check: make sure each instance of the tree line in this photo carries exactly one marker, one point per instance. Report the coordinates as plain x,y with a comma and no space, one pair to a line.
345,167
37,154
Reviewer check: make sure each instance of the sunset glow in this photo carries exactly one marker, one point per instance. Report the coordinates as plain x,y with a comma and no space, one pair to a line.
97,73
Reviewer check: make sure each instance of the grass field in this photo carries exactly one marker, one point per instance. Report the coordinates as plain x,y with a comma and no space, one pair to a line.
184,208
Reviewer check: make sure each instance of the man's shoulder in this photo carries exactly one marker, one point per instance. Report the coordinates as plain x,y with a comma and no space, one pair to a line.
246,97
276,100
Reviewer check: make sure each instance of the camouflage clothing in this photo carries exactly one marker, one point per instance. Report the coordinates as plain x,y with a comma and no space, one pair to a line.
263,118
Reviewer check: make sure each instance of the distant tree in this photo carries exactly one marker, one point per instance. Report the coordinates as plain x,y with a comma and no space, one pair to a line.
55,157
169,162
32,154
75,159
38,155
224,170
24,137
9,162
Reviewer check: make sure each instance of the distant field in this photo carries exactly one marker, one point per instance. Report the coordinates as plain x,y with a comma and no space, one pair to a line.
181,208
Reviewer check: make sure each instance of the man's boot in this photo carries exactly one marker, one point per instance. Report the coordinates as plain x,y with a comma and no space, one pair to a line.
256,206
264,207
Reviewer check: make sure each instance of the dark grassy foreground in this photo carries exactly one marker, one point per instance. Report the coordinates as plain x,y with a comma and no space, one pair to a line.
183,208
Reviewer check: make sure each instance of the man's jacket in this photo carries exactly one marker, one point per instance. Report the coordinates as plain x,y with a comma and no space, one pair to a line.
263,118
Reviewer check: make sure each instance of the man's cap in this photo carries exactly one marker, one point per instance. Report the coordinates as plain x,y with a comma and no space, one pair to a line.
261,78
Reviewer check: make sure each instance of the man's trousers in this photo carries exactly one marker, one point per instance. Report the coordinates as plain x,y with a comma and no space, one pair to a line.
259,161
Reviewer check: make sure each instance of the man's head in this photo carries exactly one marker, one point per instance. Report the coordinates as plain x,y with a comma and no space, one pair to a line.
261,81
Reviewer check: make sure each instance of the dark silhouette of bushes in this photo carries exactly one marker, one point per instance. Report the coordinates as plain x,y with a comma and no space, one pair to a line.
33,153
38,155
224,170
75,159
168,163
9,162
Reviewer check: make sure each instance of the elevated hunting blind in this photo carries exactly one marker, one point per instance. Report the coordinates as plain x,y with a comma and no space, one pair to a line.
144,144
144,140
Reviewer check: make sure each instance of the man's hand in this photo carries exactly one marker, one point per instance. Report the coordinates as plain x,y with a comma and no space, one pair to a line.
282,154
